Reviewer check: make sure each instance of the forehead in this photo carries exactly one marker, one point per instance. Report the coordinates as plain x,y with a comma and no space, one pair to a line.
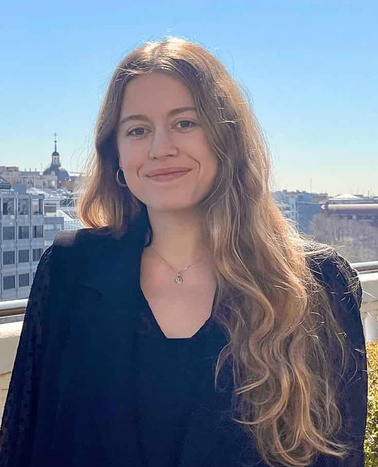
155,92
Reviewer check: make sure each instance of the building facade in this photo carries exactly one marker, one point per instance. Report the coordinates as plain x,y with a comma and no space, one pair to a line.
300,207
21,241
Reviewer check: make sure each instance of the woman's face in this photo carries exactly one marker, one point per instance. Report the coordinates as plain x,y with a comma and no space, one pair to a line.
159,129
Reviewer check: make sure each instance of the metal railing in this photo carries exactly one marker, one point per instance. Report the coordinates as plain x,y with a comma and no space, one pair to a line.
13,307
10,308
368,266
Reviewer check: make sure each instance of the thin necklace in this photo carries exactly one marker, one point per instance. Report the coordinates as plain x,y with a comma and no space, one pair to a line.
178,278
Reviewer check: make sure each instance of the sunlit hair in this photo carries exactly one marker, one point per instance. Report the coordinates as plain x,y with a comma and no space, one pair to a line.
267,299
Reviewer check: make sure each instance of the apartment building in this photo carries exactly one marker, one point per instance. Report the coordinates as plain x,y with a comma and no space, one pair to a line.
21,240
300,206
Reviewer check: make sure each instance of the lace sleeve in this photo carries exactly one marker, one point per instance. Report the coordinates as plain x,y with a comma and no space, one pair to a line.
17,430
344,289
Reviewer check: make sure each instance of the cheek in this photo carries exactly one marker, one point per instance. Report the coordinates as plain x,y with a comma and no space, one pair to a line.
131,171
215,170
130,161
213,165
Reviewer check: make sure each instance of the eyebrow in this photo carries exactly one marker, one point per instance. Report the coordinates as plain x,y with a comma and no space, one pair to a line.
172,113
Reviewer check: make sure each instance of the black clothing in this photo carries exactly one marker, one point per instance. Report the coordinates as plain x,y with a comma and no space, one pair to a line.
83,379
173,375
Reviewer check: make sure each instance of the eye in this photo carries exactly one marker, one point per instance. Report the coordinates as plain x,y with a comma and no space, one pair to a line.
185,124
140,131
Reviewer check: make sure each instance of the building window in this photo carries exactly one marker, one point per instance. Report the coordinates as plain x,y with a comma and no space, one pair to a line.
8,233
23,256
37,253
23,206
9,257
37,206
9,282
23,232
38,231
50,209
23,280
8,206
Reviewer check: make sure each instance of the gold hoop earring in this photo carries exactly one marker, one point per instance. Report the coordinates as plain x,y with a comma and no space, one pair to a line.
121,183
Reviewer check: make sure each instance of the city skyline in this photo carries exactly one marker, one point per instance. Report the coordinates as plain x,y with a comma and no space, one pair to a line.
309,69
275,186
331,194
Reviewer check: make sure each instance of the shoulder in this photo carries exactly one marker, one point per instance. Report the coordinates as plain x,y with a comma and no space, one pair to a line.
76,238
94,238
341,282
82,242
89,254
333,272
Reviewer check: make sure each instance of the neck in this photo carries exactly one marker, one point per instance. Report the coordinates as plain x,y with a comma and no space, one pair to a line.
177,236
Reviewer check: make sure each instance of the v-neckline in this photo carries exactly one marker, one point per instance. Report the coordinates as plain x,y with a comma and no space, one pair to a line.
161,333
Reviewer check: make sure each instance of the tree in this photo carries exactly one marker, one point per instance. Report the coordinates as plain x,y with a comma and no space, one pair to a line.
356,240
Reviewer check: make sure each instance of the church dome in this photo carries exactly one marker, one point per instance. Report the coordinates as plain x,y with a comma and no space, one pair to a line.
55,168
63,175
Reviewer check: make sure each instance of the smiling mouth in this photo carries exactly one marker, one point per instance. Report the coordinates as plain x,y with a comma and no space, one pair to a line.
169,176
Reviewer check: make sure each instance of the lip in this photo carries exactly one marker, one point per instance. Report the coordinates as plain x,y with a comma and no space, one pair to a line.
169,176
168,171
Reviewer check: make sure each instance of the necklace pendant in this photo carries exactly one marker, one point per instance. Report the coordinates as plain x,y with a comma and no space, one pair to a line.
179,279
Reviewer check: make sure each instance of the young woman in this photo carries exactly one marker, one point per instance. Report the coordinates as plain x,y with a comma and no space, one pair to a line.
190,325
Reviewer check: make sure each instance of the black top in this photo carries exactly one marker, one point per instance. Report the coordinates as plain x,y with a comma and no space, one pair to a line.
173,375
80,396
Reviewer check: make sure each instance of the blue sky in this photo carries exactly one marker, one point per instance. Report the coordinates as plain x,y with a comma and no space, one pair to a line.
309,67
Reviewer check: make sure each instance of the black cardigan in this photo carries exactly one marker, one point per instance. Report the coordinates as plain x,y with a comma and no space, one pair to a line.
70,401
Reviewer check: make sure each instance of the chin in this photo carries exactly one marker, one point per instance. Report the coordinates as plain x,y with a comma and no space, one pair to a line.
171,207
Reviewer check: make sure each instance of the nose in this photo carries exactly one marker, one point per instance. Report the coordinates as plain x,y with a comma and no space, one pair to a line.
162,144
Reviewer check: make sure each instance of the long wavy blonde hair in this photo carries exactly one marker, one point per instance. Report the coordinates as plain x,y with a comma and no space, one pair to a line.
272,307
